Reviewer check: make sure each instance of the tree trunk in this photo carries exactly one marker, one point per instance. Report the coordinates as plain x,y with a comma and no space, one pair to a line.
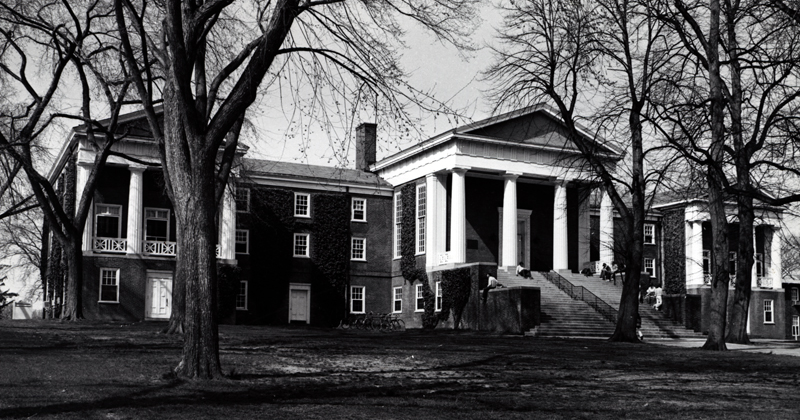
72,310
178,315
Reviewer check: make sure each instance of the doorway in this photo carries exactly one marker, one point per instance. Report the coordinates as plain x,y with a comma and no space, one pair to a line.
158,300
300,303
523,236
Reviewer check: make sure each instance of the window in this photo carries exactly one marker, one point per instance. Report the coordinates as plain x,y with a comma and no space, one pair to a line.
733,263
768,316
301,245
398,222
156,224
107,220
301,205
420,300
795,326
242,196
242,241
759,262
359,210
706,261
438,296
421,211
650,266
358,249
650,234
795,294
241,297
397,294
357,299
109,285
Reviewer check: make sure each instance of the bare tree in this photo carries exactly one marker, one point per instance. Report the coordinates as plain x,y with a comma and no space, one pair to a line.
210,78
557,52
61,38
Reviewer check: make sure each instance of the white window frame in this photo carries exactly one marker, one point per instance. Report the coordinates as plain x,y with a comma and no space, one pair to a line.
769,311
795,294
652,268
438,296
246,241
363,202
146,218
98,213
652,228
353,242
397,299
758,260
362,299
246,295
397,225
246,199
307,253
116,284
307,213
707,257
419,297
795,326
420,220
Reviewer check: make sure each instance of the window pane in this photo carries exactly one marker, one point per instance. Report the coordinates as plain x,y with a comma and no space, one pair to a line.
107,227
156,230
358,209
301,205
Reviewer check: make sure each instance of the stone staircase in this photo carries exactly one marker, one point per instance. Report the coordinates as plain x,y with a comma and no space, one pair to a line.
561,316
654,324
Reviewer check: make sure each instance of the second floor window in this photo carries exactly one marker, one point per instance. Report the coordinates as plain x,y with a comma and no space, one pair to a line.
358,249
107,223
242,200
650,234
156,225
242,241
301,205
301,245
359,210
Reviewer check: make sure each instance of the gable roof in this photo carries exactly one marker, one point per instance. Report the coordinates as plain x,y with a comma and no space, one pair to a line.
322,175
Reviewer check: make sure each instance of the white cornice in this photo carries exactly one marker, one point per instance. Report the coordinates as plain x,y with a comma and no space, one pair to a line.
310,184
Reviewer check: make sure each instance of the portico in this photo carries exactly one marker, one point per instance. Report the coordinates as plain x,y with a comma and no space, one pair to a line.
504,190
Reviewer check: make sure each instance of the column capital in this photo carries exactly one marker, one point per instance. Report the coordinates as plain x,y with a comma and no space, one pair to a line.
512,175
460,169
136,167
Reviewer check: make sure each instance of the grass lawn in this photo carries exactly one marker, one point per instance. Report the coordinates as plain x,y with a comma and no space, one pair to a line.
118,371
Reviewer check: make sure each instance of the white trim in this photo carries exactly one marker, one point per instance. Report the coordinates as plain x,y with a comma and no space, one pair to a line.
307,245
307,288
771,311
116,284
317,185
363,248
246,295
363,299
307,213
419,294
395,299
246,241
353,209
246,191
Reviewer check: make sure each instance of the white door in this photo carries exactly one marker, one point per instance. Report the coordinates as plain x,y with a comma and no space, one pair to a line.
298,305
158,303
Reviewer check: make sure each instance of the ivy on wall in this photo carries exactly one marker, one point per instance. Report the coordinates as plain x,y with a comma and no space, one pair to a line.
455,293
273,208
408,259
330,246
228,277
674,252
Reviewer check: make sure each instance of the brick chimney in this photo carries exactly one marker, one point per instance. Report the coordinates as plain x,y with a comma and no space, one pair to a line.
366,135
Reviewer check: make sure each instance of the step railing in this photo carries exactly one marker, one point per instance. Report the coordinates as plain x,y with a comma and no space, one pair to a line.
581,293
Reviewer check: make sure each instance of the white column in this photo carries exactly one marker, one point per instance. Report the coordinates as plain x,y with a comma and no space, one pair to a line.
776,261
458,222
431,227
509,253
584,227
606,229
81,177
560,242
227,228
754,271
694,254
135,210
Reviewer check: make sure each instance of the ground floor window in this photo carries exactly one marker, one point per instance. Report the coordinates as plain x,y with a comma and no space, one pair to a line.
397,293
768,315
795,326
357,299
438,296
109,285
650,266
241,297
420,300
795,294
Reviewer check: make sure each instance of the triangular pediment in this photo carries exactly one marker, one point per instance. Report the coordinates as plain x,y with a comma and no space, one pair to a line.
534,129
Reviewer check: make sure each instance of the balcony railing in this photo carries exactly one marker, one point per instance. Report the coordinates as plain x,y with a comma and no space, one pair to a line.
162,248
764,282
444,257
116,245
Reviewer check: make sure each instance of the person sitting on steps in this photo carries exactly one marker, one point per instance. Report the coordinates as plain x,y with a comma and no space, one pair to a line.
522,271
491,283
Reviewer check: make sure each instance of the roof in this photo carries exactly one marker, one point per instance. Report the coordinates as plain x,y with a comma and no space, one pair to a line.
306,172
